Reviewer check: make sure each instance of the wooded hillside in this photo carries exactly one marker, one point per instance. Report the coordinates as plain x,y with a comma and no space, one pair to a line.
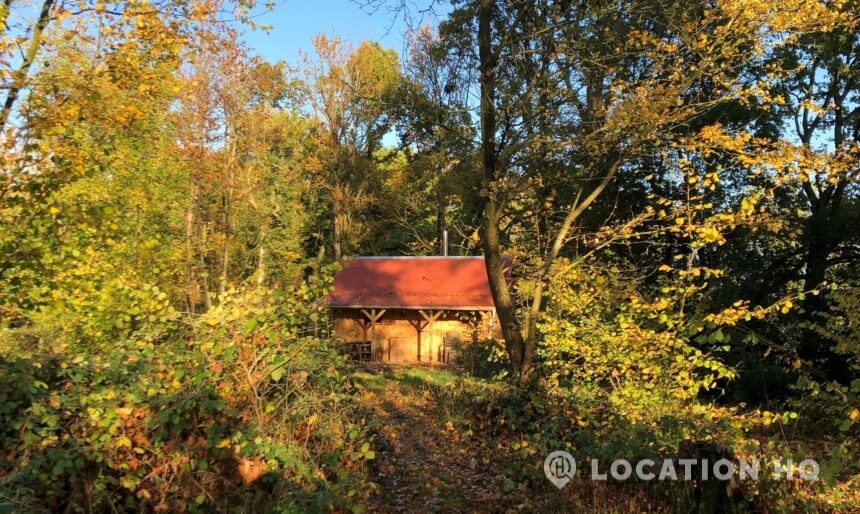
676,183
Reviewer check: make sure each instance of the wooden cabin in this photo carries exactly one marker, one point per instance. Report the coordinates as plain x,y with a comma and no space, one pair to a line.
412,309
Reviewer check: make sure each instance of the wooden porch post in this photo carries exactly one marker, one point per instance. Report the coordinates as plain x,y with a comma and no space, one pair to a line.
372,332
419,327
373,316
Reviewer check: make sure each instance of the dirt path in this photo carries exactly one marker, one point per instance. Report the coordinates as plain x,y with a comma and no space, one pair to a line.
424,463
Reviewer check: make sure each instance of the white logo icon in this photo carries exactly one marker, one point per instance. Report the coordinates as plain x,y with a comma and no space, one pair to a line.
559,467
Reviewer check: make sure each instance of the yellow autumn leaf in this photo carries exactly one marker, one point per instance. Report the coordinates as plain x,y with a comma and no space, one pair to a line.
854,415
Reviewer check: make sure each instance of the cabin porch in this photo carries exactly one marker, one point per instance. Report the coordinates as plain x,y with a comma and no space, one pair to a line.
408,335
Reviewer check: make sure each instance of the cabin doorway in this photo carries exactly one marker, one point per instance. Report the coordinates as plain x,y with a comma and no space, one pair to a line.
398,349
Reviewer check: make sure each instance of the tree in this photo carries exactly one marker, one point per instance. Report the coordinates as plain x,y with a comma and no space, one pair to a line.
167,19
350,92
436,128
818,75
242,149
574,98
89,126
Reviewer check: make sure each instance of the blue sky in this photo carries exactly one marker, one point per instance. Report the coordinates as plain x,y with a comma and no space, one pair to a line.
295,22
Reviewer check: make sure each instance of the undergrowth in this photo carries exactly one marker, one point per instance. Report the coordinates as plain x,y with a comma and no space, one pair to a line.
235,410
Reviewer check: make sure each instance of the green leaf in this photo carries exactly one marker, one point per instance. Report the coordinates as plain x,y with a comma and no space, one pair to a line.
277,373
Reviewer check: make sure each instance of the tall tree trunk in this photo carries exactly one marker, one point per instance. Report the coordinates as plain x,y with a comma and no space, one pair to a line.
338,199
315,267
515,344
261,264
225,248
821,239
818,249
207,301
227,204
192,296
441,226
337,230
814,347
20,77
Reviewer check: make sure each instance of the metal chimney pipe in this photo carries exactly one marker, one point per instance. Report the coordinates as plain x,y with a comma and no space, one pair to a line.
445,242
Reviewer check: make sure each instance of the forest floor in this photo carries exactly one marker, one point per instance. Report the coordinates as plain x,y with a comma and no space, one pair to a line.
439,449
427,457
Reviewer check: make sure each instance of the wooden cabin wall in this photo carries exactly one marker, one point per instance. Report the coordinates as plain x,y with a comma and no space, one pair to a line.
397,337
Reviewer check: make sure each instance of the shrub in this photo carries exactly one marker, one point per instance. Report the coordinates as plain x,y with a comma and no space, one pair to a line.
236,408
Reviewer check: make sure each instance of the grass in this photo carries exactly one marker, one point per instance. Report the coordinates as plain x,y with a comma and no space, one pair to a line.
418,378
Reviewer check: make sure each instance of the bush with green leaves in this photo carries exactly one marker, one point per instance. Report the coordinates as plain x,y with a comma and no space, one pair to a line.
237,408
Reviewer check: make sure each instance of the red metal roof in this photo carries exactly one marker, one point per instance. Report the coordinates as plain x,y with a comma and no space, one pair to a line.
456,283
